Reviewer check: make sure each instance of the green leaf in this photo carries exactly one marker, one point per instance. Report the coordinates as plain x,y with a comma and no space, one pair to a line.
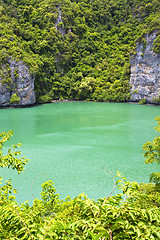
140,224
120,221
157,233
40,237
139,233
102,231
42,230
132,216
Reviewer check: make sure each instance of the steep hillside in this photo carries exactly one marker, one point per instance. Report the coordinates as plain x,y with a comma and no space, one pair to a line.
75,49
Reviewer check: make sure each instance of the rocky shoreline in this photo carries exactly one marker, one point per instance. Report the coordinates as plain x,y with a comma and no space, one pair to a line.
76,100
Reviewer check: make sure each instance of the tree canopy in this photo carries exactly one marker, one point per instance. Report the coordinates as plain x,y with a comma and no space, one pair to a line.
91,60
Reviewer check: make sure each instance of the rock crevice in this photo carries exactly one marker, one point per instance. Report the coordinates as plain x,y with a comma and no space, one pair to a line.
59,21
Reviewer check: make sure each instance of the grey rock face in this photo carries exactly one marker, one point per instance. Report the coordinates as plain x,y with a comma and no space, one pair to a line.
145,72
20,83
59,20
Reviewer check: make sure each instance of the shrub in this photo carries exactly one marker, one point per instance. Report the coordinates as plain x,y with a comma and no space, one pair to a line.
14,99
142,101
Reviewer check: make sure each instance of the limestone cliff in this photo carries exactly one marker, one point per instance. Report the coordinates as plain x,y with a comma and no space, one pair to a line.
16,85
59,24
145,72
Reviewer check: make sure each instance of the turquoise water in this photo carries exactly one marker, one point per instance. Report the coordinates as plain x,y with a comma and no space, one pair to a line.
72,143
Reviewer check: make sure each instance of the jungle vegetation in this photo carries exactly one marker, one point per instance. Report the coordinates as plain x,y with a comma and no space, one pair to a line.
89,61
87,55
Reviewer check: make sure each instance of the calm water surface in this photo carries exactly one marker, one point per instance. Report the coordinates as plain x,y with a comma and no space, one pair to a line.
72,143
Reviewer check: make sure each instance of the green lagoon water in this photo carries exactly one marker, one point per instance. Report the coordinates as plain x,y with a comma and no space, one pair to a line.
72,143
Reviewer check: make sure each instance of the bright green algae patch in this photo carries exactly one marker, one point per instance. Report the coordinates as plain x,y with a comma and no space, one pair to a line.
72,143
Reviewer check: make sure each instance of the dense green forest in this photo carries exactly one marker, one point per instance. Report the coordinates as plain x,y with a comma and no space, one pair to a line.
84,57
87,55
133,213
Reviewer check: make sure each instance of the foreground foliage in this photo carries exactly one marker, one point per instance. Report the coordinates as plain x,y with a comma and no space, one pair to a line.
132,214
80,218
91,59
152,154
